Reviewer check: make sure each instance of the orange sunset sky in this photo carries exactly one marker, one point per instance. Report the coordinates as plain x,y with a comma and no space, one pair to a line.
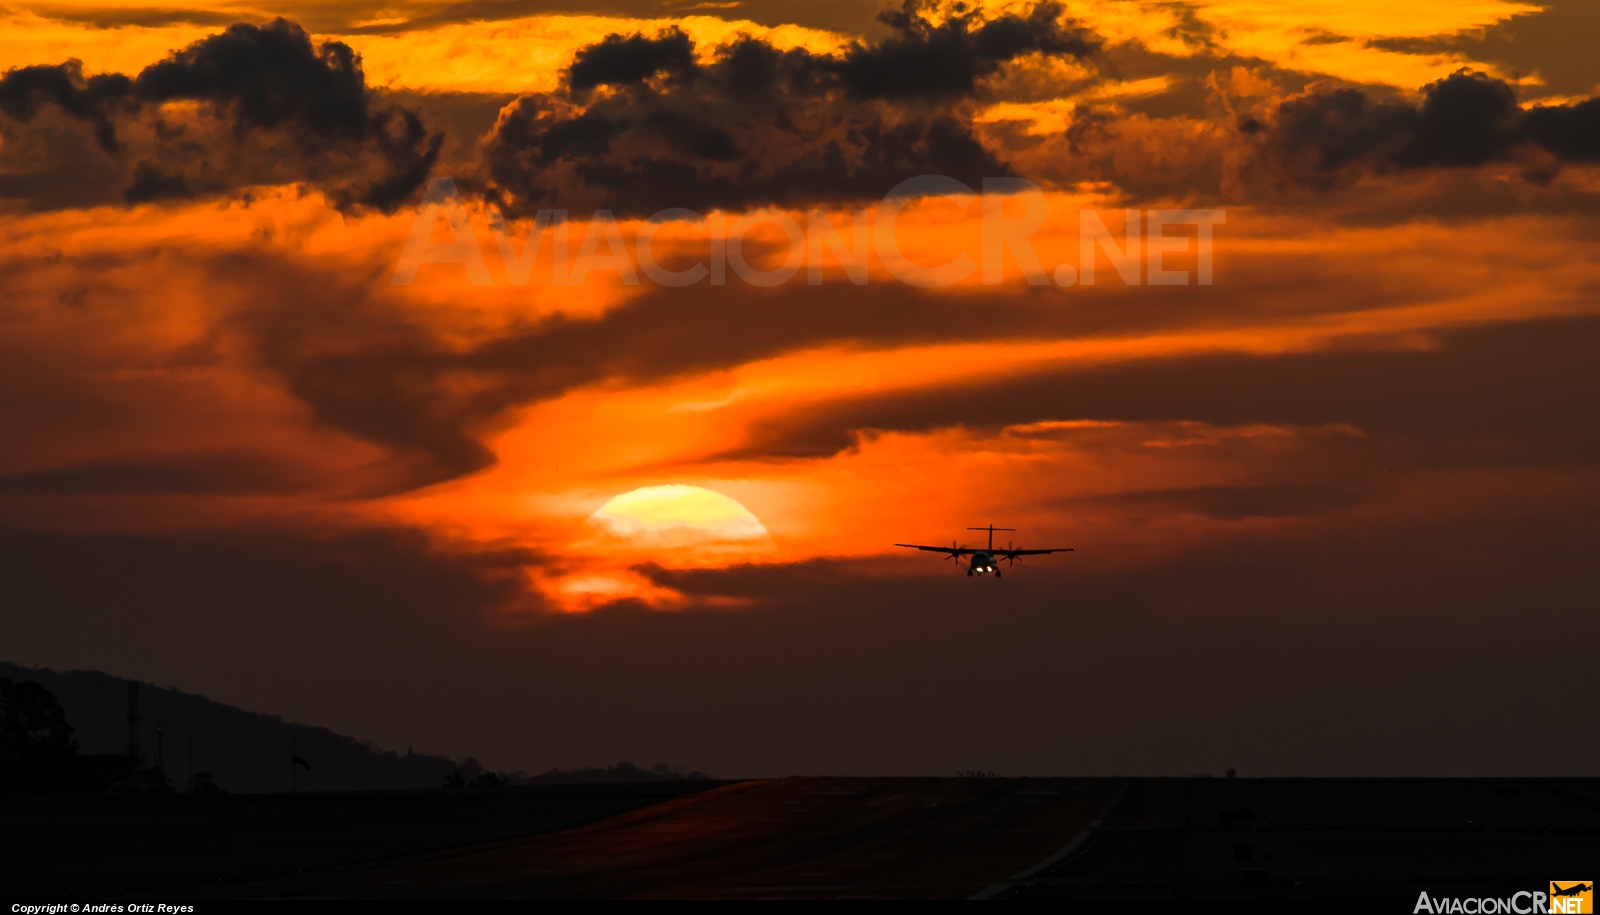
1333,512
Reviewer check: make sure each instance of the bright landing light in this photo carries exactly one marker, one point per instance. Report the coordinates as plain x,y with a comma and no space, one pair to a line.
678,515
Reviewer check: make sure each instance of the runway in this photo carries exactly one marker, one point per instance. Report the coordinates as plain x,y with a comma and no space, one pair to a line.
802,838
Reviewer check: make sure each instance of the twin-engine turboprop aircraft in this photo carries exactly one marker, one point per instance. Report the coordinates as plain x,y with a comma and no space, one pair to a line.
984,560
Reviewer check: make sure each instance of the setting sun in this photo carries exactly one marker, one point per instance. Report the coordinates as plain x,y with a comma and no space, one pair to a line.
678,515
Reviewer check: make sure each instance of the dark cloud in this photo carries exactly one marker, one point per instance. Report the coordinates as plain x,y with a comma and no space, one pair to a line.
364,366
1325,38
1232,503
24,91
278,110
756,125
267,77
1571,132
197,473
1550,42
1178,143
145,17
1466,119
847,16
151,183
364,369
1507,393
921,60
350,353
53,162
627,60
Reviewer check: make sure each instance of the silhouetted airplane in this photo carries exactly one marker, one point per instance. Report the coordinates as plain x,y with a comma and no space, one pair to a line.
1577,889
983,560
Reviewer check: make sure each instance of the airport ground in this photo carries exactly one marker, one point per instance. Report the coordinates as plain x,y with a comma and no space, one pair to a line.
956,838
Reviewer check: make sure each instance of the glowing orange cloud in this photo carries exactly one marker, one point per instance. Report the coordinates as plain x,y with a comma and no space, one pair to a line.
191,379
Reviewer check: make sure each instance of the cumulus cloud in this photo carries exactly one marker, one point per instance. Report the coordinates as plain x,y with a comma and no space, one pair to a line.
24,91
620,60
267,107
950,59
1466,119
641,123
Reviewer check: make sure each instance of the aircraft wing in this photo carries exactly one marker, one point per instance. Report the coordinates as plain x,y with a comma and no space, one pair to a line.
947,550
1065,549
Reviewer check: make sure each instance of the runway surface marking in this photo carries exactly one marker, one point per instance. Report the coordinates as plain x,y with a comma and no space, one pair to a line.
1065,850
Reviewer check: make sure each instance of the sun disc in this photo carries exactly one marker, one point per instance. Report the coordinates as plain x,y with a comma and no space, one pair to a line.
678,514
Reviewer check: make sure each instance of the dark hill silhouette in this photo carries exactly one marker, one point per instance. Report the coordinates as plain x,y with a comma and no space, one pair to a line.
621,772
243,751
248,752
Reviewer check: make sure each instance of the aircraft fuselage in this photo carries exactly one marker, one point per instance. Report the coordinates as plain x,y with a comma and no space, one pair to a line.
983,563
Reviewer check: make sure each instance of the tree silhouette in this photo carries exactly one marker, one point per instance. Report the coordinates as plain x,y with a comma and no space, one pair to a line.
38,754
203,783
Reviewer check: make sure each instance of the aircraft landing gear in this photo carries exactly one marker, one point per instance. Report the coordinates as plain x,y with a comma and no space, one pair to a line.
996,573
969,573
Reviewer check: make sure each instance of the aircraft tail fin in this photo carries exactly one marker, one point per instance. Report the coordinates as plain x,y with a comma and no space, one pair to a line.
991,529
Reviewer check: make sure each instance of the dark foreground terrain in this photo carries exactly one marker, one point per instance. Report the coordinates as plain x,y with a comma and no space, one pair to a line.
825,838
52,847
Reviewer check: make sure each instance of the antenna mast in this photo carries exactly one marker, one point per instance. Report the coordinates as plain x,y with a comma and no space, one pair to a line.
133,720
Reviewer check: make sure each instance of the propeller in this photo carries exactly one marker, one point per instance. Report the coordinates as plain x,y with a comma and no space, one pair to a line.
1011,557
956,556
